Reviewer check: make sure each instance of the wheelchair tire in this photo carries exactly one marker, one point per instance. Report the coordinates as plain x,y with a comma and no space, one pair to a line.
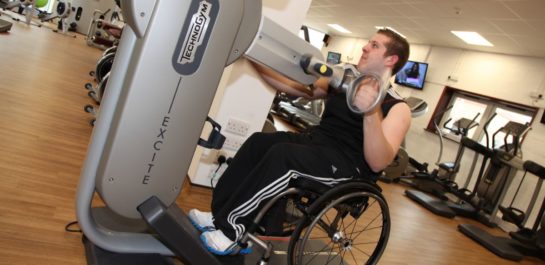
349,224
104,65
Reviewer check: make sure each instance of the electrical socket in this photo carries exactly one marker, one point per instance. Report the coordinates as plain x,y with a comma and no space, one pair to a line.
238,127
233,143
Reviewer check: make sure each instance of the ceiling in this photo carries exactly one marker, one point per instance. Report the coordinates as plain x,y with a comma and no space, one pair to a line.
514,27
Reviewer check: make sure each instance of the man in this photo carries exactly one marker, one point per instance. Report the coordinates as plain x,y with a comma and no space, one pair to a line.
345,145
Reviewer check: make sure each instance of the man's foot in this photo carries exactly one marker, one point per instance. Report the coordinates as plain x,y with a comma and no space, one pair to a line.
219,244
203,221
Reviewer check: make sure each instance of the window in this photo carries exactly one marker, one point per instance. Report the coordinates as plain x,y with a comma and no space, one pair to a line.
496,112
503,116
462,108
314,37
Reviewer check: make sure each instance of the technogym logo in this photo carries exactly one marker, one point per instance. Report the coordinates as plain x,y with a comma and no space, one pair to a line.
195,34
194,37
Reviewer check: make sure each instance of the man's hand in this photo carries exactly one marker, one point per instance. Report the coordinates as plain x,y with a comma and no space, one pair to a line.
366,94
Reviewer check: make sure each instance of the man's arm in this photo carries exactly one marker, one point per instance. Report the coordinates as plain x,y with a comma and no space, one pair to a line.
383,137
284,84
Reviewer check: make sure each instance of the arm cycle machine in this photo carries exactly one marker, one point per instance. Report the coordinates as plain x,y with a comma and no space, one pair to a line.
159,92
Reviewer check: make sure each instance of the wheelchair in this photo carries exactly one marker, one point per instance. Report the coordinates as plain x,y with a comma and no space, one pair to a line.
345,224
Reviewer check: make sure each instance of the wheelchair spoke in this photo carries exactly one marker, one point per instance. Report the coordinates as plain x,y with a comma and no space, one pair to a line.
365,253
352,228
367,226
315,254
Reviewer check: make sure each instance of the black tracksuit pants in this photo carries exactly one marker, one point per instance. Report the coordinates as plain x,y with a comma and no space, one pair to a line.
262,168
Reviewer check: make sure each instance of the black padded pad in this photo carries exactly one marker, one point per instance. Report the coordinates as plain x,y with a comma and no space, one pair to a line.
535,168
477,147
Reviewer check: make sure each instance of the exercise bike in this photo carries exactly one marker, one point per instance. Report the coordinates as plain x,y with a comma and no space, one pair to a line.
158,95
524,241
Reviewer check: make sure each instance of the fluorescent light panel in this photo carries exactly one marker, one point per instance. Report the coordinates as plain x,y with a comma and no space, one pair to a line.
472,38
339,28
392,29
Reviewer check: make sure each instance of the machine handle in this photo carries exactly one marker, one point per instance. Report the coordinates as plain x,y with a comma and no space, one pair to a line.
346,78
215,139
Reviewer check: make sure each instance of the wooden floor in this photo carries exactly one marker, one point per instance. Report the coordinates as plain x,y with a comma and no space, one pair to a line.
44,134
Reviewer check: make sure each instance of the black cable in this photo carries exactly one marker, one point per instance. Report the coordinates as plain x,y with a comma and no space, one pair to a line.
221,160
68,228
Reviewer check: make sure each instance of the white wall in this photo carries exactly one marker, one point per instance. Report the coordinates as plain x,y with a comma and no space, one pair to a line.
507,77
242,94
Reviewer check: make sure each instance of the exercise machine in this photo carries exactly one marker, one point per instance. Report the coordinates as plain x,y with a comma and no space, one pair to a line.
437,181
524,241
104,34
5,26
403,164
28,7
64,8
159,92
496,173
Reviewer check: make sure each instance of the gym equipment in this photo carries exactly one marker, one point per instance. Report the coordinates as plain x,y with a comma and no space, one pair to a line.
482,203
400,166
5,26
29,8
101,33
524,241
63,11
149,125
7,5
101,75
295,114
417,175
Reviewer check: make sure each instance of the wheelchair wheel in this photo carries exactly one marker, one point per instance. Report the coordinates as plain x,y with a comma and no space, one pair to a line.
104,65
346,226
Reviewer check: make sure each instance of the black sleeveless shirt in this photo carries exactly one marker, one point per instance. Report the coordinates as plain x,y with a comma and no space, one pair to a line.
343,129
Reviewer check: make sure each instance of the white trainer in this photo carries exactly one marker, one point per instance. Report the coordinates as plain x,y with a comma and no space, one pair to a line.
219,244
203,221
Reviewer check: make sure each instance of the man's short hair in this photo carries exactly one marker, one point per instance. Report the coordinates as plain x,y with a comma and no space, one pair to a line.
398,45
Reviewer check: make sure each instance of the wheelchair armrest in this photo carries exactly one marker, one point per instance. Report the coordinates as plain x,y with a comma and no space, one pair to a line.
320,188
309,184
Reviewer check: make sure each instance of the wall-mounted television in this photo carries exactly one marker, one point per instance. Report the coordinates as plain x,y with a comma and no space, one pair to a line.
413,75
333,58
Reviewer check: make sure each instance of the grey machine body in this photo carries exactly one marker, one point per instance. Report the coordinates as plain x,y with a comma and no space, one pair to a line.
167,68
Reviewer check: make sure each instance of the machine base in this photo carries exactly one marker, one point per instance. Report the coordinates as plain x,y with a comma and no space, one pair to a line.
98,256
500,246
436,206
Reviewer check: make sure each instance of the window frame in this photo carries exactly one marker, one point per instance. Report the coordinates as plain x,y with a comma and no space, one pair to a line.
450,94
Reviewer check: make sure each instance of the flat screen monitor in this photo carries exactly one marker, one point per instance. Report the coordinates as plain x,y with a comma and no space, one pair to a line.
413,75
333,57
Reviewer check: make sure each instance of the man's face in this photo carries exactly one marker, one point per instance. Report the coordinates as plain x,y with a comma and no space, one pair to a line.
372,57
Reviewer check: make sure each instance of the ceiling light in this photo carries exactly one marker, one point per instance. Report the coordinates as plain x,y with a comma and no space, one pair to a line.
339,28
472,38
392,29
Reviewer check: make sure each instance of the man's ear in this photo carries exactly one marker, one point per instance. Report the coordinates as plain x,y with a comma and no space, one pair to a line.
391,60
